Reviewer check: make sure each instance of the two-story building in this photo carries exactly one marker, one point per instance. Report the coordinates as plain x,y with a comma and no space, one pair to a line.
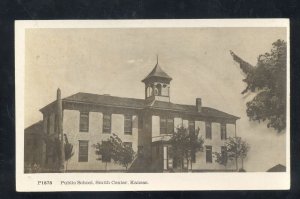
145,124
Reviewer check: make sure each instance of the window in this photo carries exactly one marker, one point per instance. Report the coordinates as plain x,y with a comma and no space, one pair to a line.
158,86
224,153
128,124
166,125
106,123
155,91
208,150
163,125
140,119
106,157
83,150
128,144
223,132
208,130
170,126
84,121
192,127
149,91
48,124
165,90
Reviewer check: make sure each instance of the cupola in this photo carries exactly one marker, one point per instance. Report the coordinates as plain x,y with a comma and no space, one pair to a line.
157,84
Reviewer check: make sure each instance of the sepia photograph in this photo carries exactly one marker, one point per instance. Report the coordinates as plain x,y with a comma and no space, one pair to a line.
138,98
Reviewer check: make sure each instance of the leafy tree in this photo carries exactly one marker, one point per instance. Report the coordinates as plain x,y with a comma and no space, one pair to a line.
68,151
122,153
268,80
236,149
116,150
221,157
185,144
104,151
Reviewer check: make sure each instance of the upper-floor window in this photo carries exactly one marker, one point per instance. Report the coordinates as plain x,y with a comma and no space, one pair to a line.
83,151
165,90
106,123
158,86
166,125
149,91
140,124
208,150
128,124
223,132
208,130
192,127
170,125
163,125
84,122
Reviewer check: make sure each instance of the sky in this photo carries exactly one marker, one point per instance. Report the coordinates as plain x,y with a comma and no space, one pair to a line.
114,61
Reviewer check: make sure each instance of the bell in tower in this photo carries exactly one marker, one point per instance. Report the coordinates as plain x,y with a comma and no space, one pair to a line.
157,85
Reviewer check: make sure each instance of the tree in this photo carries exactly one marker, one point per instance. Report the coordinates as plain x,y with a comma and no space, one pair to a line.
104,151
115,149
268,81
122,153
236,149
68,151
185,144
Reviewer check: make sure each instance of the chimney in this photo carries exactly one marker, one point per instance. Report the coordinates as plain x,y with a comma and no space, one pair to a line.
199,104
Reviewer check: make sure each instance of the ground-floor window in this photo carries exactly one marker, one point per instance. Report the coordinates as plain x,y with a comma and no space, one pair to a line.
224,153
128,144
208,150
83,150
106,157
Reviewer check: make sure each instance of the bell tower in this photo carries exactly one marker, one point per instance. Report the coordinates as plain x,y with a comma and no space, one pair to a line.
157,85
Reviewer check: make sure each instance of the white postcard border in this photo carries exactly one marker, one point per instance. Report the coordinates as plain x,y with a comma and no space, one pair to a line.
156,181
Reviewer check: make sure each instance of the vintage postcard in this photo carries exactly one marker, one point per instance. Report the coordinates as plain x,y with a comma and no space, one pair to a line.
120,105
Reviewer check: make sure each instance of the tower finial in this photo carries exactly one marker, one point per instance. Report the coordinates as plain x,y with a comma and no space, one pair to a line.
156,58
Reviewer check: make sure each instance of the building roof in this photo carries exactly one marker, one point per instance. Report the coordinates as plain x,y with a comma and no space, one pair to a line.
107,100
157,72
277,168
206,111
36,128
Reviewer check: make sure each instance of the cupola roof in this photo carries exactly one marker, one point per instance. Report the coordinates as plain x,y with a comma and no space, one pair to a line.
157,72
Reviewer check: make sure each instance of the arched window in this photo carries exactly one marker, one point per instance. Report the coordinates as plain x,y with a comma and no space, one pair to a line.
149,91
158,86
155,91
165,90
